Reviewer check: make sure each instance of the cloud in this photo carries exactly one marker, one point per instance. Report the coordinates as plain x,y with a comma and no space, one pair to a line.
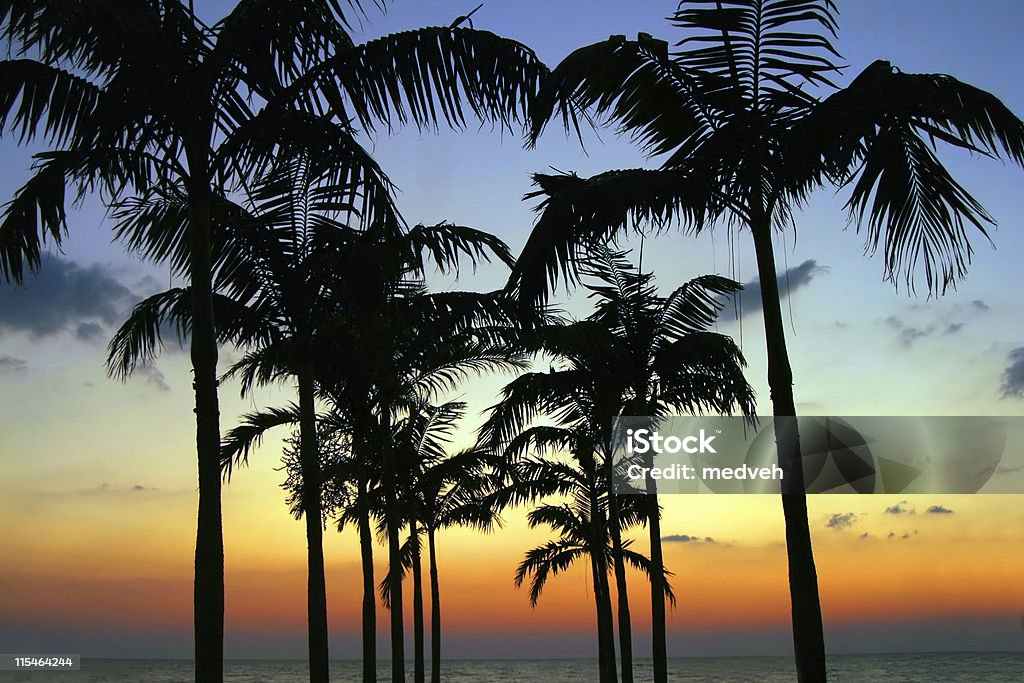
908,334
900,508
748,301
841,520
686,538
865,536
938,510
65,295
89,332
12,365
153,377
1013,375
953,328
105,489
979,305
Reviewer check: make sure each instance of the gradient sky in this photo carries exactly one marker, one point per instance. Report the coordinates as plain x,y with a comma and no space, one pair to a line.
97,479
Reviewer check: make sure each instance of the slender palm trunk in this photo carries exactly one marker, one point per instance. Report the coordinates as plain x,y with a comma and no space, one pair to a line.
419,646
369,597
208,608
625,623
602,592
393,522
808,632
316,583
435,612
658,630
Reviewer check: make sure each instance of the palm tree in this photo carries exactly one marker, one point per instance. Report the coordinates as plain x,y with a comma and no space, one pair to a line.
405,345
669,362
747,123
137,94
287,241
637,354
440,491
303,291
584,528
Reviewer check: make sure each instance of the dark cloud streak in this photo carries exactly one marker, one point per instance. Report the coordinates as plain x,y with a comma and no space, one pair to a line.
748,302
1013,375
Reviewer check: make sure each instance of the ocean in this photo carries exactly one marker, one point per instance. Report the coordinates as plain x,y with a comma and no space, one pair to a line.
970,667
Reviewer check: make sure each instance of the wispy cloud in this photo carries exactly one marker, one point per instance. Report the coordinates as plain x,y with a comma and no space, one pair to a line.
841,520
901,508
13,366
686,538
153,377
938,510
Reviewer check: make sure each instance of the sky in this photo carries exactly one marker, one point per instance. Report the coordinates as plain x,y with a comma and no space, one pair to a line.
97,478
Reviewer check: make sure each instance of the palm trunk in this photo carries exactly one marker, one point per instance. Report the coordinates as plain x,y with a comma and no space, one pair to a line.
419,662
369,597
393,522
625,623
658,629
316,584
435,612
208,608
602,593
808,635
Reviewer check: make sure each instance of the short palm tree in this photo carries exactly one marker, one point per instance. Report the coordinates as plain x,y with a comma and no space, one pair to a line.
586,531
138,94
746,120
668,362
638,354
440,491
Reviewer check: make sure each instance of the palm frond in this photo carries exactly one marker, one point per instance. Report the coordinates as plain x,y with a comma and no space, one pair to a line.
765,50
50,100
247,436
636,84
424,76
578,213
544,562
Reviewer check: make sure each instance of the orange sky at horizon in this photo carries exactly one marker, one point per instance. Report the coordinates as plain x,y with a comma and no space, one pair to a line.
128,561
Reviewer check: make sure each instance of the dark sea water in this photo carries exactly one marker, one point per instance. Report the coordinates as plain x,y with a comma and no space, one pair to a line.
924,668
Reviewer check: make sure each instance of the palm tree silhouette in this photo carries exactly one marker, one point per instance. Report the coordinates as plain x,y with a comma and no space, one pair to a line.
668,362
585,531
136,95
404,345
637,354
284,300
748,122
286,241
441,491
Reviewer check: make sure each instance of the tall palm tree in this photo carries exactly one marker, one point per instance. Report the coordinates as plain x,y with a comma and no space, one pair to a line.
746,121
135,94
287,242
